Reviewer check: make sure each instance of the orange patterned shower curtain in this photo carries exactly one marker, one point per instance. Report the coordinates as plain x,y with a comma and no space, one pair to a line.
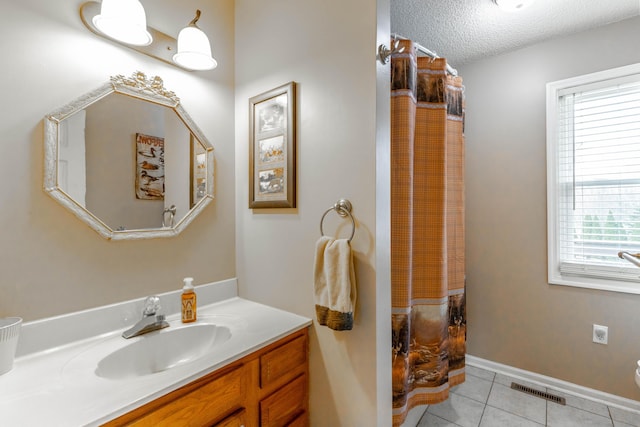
427,230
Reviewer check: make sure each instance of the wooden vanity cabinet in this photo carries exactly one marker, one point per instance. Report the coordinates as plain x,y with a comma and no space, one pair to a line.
268,388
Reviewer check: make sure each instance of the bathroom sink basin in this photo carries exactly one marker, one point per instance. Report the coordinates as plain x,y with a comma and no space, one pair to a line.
162,350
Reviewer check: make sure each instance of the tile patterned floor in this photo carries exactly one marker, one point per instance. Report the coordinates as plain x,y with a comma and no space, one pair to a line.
486,399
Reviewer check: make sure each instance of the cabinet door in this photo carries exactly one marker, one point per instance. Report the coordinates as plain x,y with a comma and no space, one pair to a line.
239,419
203,406
285,405
282,360
301,420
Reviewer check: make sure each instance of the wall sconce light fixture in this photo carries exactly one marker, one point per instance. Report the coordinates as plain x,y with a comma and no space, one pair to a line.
194,50
124,21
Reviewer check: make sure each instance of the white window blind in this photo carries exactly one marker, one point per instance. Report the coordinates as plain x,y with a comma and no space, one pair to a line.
594,180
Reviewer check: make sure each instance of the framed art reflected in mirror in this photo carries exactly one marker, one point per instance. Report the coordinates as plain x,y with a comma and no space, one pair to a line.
272,148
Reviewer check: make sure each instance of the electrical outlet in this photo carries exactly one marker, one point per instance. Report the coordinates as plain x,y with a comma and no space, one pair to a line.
600,334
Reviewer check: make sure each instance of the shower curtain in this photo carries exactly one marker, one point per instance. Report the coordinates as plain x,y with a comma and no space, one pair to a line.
427,230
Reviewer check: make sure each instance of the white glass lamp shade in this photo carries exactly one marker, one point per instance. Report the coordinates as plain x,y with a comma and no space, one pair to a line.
194,50
513,5
123,20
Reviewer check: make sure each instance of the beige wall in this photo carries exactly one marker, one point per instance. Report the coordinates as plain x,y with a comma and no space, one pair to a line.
515,316
50,262
328,48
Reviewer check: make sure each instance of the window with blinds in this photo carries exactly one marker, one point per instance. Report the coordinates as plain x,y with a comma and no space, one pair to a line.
593,188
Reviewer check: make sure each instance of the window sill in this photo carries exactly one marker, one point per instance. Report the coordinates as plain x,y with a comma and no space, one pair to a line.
597,284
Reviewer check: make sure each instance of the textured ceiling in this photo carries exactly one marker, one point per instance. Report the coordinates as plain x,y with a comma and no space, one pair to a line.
466,30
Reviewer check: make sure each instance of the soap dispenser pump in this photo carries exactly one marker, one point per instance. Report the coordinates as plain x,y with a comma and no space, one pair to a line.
188,301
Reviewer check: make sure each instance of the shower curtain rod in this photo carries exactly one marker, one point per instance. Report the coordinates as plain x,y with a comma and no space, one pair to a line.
427,52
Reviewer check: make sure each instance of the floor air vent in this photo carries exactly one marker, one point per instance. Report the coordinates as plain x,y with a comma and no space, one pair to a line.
552,397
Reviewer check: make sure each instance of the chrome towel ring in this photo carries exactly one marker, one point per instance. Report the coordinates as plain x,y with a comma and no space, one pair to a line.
343,208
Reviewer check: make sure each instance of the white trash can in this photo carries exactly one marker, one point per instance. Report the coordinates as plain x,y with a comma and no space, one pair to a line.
9,333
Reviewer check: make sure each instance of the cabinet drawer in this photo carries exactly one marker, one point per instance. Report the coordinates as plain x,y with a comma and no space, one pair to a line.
282,360
203,406
283,406
301,420
239,419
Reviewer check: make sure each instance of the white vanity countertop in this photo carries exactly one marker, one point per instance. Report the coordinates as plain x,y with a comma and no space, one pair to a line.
58,387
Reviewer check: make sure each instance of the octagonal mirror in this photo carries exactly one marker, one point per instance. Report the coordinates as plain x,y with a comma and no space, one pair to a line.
128,160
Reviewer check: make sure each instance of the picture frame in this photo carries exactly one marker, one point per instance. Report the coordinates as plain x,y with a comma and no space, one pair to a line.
149,183
272,148
198,169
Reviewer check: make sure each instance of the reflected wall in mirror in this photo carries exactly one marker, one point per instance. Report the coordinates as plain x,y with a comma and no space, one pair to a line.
128,160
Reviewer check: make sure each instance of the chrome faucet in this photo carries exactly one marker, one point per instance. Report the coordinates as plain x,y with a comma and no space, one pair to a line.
151,319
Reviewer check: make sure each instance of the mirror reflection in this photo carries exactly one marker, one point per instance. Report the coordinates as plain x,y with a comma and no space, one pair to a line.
130,160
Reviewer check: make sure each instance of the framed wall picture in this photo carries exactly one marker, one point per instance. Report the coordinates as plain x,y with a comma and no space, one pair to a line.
272,148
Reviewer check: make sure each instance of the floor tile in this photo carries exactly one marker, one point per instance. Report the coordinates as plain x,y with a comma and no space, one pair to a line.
486,399
459,410
518,403
474,388
626,417
430,420
494,417
581,403
414,415
568,416
480,373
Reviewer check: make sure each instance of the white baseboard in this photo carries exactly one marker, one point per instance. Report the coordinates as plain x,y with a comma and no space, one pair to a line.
560,385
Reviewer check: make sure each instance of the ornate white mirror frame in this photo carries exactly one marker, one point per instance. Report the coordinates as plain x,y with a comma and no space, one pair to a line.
151,90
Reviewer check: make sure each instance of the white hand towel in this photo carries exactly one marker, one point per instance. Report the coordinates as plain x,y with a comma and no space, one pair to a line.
334,283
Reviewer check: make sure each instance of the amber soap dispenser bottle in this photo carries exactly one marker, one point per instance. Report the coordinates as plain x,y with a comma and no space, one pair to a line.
188,301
